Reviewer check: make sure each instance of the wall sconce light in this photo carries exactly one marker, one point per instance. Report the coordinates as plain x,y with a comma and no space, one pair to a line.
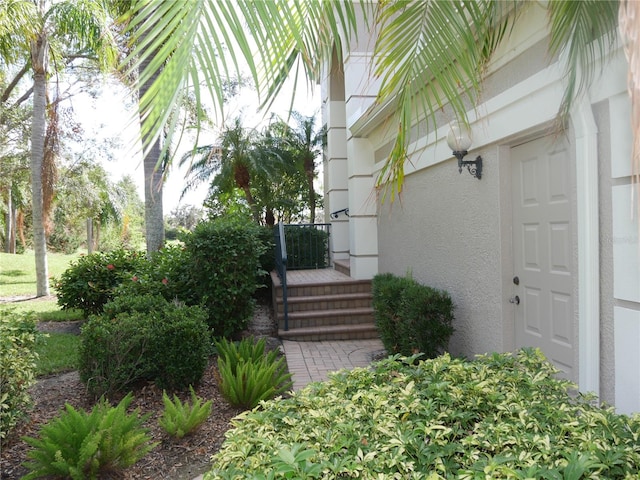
459,140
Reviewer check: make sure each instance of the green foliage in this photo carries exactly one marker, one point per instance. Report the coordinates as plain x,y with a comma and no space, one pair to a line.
143,338
81,445
90,281
223,262
247,375
166,273
179,419
268,257
307,247
18,339
411,318
500,416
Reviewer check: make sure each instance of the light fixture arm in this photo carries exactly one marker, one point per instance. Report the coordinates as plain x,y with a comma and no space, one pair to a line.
474,167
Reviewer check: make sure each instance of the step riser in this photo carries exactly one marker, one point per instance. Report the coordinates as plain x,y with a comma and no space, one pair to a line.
325,321
319,337
326,311
329,289
320,305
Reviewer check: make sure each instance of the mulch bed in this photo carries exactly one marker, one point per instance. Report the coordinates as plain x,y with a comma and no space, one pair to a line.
173,459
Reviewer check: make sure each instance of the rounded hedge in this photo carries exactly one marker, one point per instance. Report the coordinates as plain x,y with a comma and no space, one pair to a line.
144,338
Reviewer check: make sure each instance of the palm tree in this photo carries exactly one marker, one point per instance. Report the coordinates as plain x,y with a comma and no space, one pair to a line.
427,54
305,144
45,37
154,151
230,164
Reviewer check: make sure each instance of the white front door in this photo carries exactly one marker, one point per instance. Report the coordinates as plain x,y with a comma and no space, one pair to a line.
543,249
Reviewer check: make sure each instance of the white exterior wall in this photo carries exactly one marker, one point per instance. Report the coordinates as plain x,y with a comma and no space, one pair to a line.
452,231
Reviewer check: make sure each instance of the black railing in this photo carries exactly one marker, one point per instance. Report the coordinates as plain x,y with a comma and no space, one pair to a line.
337,213
299,247
308,246
281,267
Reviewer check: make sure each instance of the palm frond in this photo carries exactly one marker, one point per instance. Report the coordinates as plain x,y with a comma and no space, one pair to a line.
429,55
584,31
629,16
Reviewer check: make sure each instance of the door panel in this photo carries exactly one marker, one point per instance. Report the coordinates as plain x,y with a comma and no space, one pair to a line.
543,251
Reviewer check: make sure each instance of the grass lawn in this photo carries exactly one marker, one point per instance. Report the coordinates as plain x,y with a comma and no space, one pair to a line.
57,353
18,277
18,272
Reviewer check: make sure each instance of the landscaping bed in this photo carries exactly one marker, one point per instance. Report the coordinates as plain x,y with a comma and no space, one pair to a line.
171,459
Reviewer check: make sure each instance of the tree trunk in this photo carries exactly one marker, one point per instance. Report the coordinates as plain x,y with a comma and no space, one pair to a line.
89,236
39,48
153,214
309,169
153,178
9,223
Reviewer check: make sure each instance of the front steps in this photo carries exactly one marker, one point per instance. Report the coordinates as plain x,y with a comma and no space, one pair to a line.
324,305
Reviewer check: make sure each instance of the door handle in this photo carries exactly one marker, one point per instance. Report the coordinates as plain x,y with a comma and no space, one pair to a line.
515,299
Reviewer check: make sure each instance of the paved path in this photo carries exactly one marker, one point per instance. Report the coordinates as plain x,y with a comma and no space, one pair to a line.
312,361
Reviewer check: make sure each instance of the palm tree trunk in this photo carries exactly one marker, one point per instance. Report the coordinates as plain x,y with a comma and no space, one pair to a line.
9,222
252,204
153,177
153,214
309,170
38,55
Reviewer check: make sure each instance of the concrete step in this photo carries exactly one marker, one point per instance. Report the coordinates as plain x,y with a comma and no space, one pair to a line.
325,318
334,332
326,302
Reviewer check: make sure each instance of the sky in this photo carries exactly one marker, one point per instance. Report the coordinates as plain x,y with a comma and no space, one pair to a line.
107,116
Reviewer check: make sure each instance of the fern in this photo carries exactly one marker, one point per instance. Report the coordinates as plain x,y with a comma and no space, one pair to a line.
79,445
247,349
179,419
252,382
247,374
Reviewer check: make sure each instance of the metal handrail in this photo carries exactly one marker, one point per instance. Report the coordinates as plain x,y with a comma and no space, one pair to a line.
308,245
336,214
281,268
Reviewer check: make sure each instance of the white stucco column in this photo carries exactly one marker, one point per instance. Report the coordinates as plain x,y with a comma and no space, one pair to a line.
363,228
336,177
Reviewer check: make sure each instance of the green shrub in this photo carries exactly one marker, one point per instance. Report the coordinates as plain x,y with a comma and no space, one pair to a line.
18,357
247,375
411,318
307,247
143,338
224,267
81,445
179,419
166,273
500,416
90,281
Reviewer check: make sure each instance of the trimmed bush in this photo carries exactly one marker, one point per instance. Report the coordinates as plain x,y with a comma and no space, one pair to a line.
224,264
411,318
81,445
144,339
166,273
90,281
18,337
500,416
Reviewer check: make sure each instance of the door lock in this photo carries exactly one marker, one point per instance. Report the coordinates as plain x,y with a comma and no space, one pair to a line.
516,280
515,299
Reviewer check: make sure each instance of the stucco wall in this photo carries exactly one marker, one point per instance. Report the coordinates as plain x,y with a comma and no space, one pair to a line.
451,231
445,231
